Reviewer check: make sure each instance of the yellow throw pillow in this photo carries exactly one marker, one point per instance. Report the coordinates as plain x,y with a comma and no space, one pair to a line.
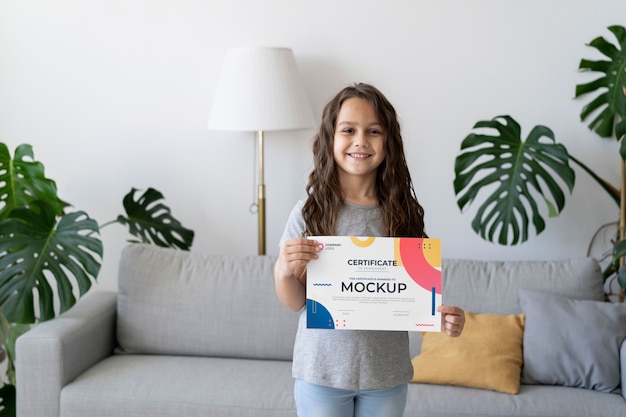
487,355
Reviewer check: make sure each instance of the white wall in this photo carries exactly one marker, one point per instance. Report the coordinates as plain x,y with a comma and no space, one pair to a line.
116,94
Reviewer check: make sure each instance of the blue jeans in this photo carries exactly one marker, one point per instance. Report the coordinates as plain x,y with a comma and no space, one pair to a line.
318,401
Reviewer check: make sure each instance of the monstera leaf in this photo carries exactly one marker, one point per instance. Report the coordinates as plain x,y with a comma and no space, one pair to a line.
34,247
151,221
611,86
10,333
22,180
517,174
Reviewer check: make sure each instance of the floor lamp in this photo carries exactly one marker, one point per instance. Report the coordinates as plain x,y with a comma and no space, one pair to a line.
260,90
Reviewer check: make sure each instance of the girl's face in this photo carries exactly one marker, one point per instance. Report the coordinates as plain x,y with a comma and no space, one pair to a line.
359,138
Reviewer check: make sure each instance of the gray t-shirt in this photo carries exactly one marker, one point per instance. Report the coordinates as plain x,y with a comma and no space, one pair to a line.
349,359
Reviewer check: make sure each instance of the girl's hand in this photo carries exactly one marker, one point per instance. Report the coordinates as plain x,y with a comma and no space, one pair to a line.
290,271
294,256
452,320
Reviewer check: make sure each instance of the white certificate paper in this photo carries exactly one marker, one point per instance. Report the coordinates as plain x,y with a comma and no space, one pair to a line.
375,283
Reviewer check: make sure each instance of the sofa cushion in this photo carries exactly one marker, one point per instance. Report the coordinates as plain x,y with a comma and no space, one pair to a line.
487,355
574,343
167,386
186,303
425,400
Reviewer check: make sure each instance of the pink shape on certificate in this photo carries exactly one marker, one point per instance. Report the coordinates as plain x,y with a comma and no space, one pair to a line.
417,266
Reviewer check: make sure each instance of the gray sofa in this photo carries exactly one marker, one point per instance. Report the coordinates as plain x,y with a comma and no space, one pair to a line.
190,334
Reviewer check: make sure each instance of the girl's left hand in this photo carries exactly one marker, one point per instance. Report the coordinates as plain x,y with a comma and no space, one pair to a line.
452,320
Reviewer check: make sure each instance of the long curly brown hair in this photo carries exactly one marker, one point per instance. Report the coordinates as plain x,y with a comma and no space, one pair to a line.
403,216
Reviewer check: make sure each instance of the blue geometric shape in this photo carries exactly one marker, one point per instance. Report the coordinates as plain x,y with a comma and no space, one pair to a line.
317,316
432,302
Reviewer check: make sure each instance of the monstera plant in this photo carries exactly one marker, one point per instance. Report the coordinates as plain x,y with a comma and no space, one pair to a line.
522,179
50,256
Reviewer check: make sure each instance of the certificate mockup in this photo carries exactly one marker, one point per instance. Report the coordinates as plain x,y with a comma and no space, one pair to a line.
375,283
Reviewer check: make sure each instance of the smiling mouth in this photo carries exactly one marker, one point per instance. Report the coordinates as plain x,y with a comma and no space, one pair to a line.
359,155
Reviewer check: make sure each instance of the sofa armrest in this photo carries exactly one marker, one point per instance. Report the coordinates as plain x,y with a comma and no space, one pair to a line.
55,352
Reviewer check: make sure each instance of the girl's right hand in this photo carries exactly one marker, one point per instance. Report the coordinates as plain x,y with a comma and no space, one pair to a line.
290,271
294,256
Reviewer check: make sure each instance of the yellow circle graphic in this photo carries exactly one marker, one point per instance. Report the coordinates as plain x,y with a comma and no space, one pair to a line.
362,243
433,253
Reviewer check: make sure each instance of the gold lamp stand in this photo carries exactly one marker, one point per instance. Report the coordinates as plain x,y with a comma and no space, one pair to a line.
261,195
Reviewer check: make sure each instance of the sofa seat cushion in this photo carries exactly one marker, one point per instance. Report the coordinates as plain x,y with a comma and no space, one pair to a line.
426,400
174,386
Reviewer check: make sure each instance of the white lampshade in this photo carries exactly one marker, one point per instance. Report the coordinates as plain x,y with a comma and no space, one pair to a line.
260,89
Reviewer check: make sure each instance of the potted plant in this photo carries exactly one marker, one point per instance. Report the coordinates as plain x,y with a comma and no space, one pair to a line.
518,176
50,255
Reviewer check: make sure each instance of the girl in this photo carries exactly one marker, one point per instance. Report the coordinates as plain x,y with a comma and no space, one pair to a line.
360,186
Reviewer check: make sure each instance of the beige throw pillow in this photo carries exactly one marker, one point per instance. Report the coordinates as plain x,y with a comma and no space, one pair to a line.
487,355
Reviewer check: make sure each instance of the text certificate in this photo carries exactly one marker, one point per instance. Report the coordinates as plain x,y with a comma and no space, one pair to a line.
375,283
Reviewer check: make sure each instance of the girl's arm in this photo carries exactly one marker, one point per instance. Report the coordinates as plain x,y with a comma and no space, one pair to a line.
290,271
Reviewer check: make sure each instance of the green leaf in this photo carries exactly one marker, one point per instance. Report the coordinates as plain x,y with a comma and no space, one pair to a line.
7,395
515,174
10,333
609,104
22,180
36,249
150,220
